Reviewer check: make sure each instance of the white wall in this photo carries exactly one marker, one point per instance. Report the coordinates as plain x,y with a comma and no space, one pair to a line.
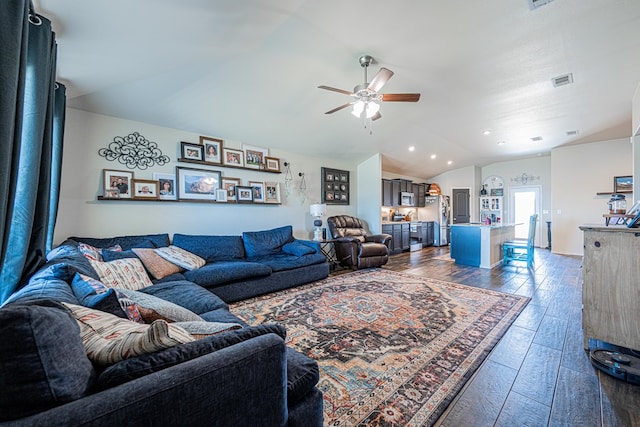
81,214
370,192
579,172
460,178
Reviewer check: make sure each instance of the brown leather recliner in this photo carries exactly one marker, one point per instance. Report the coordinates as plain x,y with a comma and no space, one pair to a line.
354,248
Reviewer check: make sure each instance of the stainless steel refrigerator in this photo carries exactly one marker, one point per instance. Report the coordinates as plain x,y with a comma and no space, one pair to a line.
438,209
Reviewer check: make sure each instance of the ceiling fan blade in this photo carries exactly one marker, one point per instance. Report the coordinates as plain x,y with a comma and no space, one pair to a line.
401,97
346,92
340,107
380,79
376,116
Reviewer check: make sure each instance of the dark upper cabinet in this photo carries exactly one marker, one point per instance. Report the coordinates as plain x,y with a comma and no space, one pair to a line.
386,192
418,191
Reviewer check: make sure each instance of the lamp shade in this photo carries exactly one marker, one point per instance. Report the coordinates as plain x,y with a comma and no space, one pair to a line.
318,209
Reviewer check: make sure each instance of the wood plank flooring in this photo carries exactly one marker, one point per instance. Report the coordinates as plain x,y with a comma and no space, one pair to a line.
539,373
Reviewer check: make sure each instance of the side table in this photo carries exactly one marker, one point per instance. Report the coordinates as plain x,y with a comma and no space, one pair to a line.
619,219
328,249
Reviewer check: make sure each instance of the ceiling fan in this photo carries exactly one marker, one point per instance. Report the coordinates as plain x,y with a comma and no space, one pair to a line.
366,97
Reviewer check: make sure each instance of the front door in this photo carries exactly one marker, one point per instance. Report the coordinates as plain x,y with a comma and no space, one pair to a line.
460,208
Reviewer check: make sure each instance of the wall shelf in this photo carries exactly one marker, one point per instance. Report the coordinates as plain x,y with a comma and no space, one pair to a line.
609,193
230,202
201,162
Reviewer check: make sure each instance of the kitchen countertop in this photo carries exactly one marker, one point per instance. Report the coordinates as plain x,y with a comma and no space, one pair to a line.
404,222
478,224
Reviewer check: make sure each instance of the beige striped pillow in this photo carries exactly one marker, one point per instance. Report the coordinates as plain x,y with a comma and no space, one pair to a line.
181,257
127,273
108,339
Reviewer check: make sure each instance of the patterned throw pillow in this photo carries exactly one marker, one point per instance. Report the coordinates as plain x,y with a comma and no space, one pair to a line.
108,339
93,253
166,309
157,266
204,329
127,273
180,257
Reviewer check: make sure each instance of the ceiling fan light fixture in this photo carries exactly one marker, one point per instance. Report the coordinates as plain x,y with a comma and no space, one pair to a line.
372,109
358,108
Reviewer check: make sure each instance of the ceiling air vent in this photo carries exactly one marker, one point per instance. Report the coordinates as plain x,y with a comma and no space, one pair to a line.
536,139
572,132
562,80
534,4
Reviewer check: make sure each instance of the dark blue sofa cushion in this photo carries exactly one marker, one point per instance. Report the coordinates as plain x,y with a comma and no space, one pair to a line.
259,243
297,249
222,272
222,315
283,261
186,294
302,375
126,242
136,367
42,360
88,296
49,282
211,248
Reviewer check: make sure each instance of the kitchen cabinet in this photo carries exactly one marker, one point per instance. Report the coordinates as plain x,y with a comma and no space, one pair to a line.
400,236
386,192
427,233
418,192
491,207
610,287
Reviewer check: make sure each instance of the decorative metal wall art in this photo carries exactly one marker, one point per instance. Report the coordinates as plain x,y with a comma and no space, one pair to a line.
134,151
524,179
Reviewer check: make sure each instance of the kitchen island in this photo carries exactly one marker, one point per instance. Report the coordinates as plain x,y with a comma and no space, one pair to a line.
479,245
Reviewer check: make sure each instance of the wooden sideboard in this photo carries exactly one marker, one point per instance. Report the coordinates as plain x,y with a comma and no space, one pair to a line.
611,285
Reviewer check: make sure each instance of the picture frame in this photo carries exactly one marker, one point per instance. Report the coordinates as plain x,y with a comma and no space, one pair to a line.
254,157
272,192
118,180
272,164
212,148
244,194
497,192
191,151
166,185
111,194
229,185
258,191
232,157
197,184
221,195
335,184
145,189
623,184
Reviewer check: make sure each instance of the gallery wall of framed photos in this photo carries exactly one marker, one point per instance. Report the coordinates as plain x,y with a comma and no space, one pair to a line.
335,186
196,184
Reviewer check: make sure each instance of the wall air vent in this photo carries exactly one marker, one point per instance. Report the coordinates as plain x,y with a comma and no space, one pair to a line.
536,139
572,132
534,4
562,80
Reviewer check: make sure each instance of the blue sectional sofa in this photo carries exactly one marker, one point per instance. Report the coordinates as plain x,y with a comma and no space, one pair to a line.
244,376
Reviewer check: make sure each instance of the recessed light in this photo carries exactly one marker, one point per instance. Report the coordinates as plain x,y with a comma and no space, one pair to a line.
433,156
486,132
412,148
501,142
449,162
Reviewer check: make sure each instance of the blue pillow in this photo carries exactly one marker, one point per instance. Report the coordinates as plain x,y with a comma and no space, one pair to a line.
108,255
258,243
86,290
297,249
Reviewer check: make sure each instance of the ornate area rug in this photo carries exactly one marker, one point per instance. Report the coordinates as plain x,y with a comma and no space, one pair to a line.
393,348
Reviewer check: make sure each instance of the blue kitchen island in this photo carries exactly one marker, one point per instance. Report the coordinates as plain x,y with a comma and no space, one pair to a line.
479,245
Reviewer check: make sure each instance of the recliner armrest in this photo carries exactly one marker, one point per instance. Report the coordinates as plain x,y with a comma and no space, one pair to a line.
385,239
348,239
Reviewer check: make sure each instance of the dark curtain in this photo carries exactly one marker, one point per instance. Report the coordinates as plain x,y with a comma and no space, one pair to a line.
31,142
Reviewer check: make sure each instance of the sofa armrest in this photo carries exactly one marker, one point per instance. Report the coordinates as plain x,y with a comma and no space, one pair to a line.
244,384
379,238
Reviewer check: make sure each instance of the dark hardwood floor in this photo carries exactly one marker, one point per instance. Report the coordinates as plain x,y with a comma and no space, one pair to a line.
539,373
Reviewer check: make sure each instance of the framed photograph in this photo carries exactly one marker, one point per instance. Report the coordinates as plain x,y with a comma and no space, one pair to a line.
497,191
229,185
111,194
244,194
622,184
197,184
335,186
254,157
212,149
272,164
167,185
232,157
192,151
221,195
271,192
258,191
145,189
121,181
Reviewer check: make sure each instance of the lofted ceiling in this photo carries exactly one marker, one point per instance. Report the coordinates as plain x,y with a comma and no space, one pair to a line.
249,71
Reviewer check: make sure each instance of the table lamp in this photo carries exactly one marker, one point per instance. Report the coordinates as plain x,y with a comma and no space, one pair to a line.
317,210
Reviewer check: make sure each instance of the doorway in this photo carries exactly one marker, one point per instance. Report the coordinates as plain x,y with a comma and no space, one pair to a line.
524,202
460,206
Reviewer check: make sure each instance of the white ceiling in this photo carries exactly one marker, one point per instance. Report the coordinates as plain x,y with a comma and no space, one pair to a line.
249,70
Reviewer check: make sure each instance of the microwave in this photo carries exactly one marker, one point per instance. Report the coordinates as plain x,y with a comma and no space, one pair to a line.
407,199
